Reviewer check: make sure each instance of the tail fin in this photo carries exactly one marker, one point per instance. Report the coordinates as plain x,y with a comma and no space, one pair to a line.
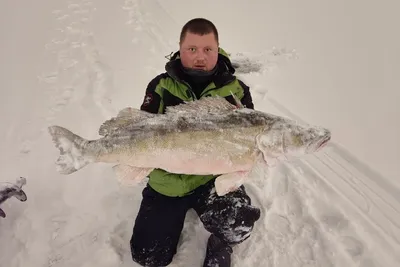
71,146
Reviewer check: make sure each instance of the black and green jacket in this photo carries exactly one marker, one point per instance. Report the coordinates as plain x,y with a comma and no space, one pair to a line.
172,88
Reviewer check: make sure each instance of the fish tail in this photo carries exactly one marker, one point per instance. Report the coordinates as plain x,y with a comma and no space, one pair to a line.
71,146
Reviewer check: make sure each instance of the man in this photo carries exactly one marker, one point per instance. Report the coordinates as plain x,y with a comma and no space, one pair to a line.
199,69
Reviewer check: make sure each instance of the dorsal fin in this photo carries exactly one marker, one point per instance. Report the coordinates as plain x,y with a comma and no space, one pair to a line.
215,104
125,117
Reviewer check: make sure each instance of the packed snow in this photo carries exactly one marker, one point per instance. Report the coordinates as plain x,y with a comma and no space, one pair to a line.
77,63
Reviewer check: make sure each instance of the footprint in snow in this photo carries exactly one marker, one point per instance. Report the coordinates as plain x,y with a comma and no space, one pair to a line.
352,246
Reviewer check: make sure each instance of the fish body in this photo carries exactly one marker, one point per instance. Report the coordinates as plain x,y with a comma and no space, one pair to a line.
8,190
203,137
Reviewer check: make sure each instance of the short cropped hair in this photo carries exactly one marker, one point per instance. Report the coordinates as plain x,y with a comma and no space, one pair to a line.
200,26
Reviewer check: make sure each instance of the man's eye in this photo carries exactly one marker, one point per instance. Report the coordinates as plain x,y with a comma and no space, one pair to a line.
192,49
208,49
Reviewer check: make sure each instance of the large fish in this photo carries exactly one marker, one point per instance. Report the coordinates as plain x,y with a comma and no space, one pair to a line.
8,190
206,136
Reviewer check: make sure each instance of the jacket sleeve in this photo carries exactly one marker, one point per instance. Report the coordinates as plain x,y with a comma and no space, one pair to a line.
247,100
152,100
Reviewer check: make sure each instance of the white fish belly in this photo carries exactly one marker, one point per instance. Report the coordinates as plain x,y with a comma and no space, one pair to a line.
199,152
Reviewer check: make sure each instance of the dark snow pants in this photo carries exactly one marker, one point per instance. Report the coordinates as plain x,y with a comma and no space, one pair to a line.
160,221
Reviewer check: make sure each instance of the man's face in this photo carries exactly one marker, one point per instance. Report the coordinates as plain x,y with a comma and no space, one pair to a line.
199,51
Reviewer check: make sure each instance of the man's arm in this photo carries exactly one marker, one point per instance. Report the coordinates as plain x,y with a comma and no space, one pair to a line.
247,100
152,100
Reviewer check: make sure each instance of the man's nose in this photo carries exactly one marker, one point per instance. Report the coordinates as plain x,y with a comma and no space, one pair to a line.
200,55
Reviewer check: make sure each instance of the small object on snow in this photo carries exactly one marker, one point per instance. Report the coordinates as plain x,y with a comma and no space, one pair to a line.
8,190
203,137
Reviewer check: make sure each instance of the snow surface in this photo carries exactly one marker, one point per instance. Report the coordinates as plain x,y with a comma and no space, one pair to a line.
77,63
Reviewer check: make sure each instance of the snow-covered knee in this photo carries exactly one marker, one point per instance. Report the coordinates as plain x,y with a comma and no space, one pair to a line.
151,258
231,223
241,224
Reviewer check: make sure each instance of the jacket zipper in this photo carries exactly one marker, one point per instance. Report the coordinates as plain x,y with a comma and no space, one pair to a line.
204,92
189,88
215,88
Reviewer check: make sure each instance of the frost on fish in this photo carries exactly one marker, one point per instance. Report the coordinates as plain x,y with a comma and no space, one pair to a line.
207,136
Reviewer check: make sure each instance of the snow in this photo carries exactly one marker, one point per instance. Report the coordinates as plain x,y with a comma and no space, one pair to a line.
77,63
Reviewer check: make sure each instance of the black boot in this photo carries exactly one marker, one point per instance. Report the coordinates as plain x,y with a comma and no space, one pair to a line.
218,253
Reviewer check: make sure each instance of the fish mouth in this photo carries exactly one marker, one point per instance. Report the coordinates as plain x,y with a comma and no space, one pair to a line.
319,144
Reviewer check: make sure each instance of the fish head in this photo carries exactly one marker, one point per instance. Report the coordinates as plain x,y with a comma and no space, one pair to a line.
289,138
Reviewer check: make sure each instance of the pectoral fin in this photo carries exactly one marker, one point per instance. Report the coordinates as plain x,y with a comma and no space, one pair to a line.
128,175
230,182
2,213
